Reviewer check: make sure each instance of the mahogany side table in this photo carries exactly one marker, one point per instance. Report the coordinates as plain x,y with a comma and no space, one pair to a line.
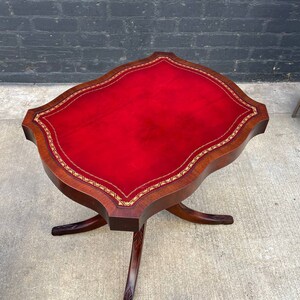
141,139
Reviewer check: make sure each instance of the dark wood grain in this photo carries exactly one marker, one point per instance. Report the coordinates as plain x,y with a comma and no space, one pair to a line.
83,226
185,213
132,218
136,254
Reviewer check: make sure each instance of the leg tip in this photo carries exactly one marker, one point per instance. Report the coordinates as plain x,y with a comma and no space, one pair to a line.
228,220
55,231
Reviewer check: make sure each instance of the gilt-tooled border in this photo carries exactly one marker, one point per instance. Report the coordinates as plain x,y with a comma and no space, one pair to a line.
163,182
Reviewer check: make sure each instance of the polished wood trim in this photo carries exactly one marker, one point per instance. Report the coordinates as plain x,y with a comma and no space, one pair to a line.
132,218
185,213
83,226
136,254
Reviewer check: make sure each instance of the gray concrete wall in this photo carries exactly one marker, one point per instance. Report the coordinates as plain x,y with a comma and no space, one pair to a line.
73,41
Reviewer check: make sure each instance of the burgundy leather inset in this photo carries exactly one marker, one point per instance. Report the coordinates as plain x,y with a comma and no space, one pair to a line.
143,128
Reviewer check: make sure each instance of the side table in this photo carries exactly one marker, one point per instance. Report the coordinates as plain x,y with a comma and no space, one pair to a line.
141,139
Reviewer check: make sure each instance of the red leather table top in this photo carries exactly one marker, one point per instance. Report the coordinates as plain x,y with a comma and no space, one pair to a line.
143,128
141,139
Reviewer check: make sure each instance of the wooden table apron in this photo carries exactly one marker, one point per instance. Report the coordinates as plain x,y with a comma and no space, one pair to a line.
133,218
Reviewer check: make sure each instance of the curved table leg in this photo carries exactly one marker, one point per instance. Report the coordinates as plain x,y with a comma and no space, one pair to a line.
136,254
83,226
183,212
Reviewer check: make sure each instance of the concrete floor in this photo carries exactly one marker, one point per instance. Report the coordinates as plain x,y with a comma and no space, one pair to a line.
258,257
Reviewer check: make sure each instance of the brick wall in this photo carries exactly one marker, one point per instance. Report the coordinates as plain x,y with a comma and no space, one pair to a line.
73,41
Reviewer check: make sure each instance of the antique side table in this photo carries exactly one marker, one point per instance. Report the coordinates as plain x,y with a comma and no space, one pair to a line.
141,139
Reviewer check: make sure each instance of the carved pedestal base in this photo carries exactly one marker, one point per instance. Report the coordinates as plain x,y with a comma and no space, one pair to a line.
178,210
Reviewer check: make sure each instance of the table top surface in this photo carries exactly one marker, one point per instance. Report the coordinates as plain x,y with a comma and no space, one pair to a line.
138,137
